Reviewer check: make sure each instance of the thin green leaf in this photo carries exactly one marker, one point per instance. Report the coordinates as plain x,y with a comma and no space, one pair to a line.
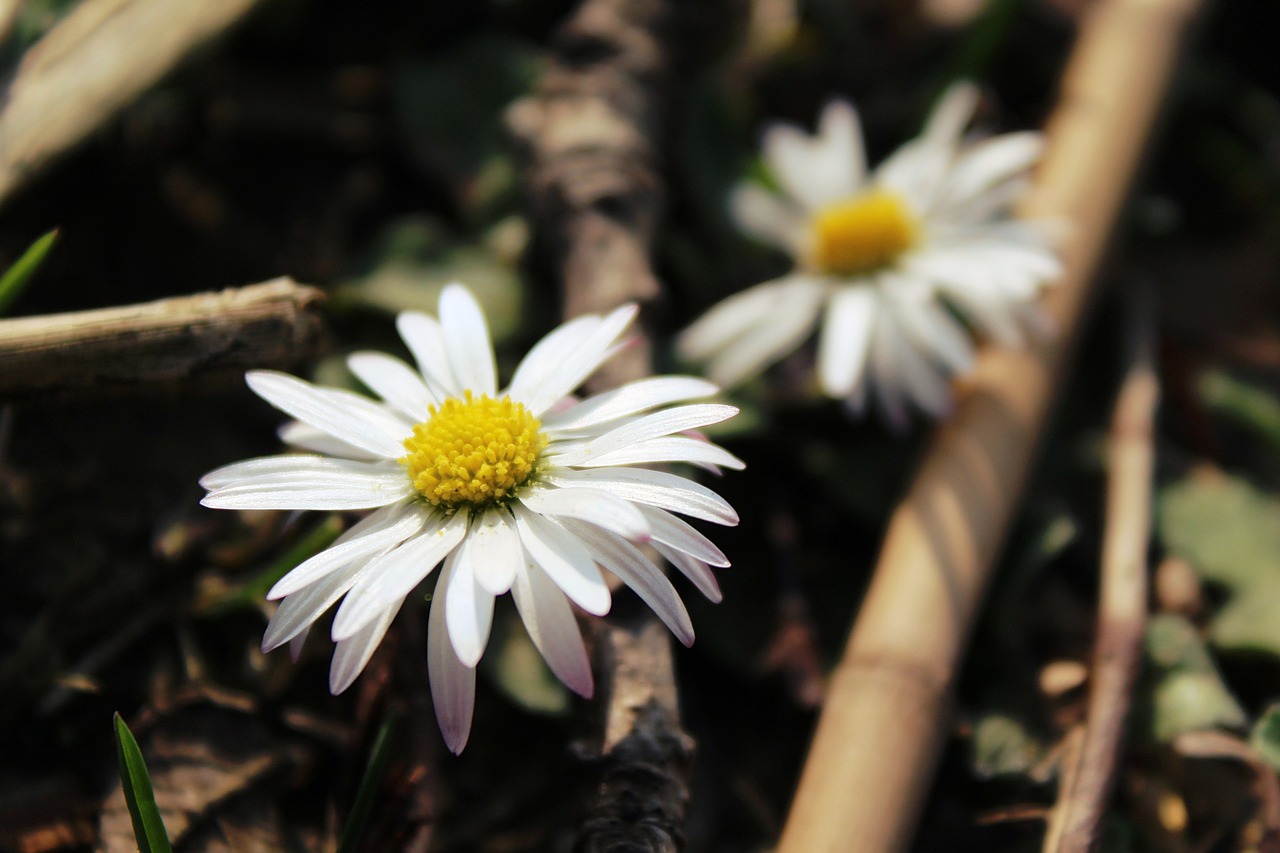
353,832
16,276
148,828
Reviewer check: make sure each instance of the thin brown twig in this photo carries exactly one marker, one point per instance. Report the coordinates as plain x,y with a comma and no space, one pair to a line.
879,736
95,61
158,345
1075,824
596,194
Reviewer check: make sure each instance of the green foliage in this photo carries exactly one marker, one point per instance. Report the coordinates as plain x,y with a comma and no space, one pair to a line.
250,594
358,820
1184,690
1248,405
1003,745
1265,736
148,828
1230,532
16,277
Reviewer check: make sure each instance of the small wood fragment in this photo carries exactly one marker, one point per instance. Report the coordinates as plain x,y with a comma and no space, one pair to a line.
160,345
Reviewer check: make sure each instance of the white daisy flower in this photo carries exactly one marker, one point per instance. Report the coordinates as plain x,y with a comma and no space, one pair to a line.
526,490
885,258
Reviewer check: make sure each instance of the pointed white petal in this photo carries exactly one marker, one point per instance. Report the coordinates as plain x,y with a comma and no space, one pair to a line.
768,218
843,158
627,400
953,112
655,425
671,448
262,466
594,505
655,488
552,627
678,534
788,326
306,437
466,340
345,416
846,339
548,353
393,381
564,559
453,685
496,554
988,163
352,655
296,613
468,608
540,389
425,339
631,567
694,569
392,576
337,484
383,530
297,643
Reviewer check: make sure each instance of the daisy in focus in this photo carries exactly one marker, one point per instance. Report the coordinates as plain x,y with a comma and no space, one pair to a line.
884,258
526,490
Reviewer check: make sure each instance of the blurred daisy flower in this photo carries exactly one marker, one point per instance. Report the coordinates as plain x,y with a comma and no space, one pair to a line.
886,259
526,490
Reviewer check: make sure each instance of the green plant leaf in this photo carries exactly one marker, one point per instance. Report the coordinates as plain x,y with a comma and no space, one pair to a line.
1248,405
15,278
1230,532
1265,736
1183,690
148,828
358,820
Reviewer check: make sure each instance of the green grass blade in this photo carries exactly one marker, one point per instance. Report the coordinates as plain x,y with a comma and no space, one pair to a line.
148,829
353,832
16,276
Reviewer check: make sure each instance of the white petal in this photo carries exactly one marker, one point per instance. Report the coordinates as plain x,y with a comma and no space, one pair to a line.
631,567
843,158
671,448
846,339
296,613
747,312
346,416
539,389
383,530
549,352
695,570
393,381
496,554
677,533
466,340
655,425
953,112
552,627
628,399
594,505
768,218
817,170
468,608
886,372
989,163
933,330
655,488
263,466
352,655
780,333
564,559
392,576
306,437
339,484
453,685
425,339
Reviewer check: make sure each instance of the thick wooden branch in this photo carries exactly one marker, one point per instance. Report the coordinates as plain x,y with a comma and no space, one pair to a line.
595,196
158,345
94,62
879,736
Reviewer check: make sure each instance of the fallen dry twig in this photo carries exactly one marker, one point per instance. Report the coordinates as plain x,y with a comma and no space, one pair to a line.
157,345
1075,824
595,193
95,61
877,742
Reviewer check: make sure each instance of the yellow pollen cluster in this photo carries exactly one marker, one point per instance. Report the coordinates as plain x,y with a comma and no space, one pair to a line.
862,234
474,450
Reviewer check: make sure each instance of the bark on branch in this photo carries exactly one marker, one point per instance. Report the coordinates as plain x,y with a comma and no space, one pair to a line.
158,345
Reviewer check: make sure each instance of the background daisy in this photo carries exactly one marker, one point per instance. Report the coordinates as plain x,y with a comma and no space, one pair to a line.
885,259
524,490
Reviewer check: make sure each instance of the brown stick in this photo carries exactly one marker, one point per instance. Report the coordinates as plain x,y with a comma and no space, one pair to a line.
1075,825
159,344
878,738
595,193
95,61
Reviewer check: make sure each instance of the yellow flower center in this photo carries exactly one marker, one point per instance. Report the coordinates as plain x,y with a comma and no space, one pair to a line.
475,451
863,233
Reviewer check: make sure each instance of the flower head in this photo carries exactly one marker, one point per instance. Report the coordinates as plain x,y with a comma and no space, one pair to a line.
885,258
526,490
